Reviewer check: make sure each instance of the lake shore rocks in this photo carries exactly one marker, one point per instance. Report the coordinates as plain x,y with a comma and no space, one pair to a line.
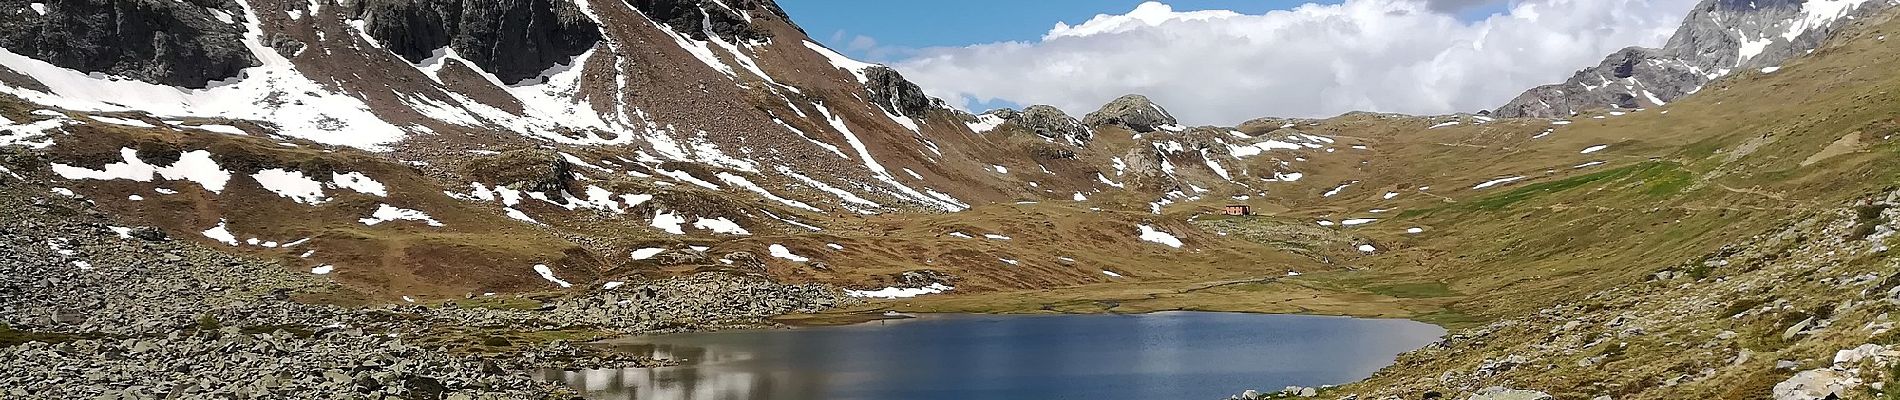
94,310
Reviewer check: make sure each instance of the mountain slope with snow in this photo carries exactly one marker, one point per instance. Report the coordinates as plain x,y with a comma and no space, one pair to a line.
1718,38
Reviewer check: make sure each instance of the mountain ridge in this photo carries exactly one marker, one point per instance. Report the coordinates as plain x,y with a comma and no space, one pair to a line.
634,185
1718,37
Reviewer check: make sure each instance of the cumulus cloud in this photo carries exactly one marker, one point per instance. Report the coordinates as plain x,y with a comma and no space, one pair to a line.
1220,67
1457,5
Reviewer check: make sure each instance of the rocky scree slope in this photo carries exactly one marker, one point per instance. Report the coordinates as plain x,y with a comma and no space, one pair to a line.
99,310
1719,37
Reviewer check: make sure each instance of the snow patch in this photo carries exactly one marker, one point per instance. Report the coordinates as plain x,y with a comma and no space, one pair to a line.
221,234
195,166
360,183
647,253
1495,182
548,274
721,225
291,184
780,251
1149,233
897,293
669,222
386,213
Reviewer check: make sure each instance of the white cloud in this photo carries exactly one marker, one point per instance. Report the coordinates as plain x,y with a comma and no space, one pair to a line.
861,42
1219,67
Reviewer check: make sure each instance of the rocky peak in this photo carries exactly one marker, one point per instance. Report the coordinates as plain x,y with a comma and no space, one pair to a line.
169,42
895,94
1717,38
1005,113
1133,111
730,19
1049,122
515,40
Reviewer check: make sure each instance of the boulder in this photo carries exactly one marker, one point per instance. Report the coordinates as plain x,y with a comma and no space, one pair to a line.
1503,393
147,233
1816,384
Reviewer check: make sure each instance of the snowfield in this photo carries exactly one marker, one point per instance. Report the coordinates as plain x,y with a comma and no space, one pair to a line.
899,293
1151,234
387,213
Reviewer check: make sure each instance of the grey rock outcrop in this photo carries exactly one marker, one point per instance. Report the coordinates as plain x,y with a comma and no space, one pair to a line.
1133,111
1048,122
169,42
533,169
892,92
728,18
1718,37
515,40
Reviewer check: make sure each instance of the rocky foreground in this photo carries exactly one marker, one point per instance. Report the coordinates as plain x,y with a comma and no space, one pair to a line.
96,311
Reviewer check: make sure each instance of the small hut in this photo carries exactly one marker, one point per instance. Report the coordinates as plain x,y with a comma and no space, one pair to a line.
1235,210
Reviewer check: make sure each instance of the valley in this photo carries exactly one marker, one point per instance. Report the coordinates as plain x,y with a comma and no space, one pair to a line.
356,207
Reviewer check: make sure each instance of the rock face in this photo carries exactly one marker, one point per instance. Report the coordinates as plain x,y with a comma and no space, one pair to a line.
1719,37
1629,78
170,42
515,40
728,19
896,94
1049,122
1133,111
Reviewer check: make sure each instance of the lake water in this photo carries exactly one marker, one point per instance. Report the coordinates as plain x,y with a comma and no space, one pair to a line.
1170,355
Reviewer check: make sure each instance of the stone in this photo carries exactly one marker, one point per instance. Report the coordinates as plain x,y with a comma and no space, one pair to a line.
1865,351
1816,384
1503,393
147,233
1797,328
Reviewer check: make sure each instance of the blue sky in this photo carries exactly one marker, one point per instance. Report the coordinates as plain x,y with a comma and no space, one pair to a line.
915,24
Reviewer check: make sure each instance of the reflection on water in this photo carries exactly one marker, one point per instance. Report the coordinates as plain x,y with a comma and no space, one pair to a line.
1184,355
